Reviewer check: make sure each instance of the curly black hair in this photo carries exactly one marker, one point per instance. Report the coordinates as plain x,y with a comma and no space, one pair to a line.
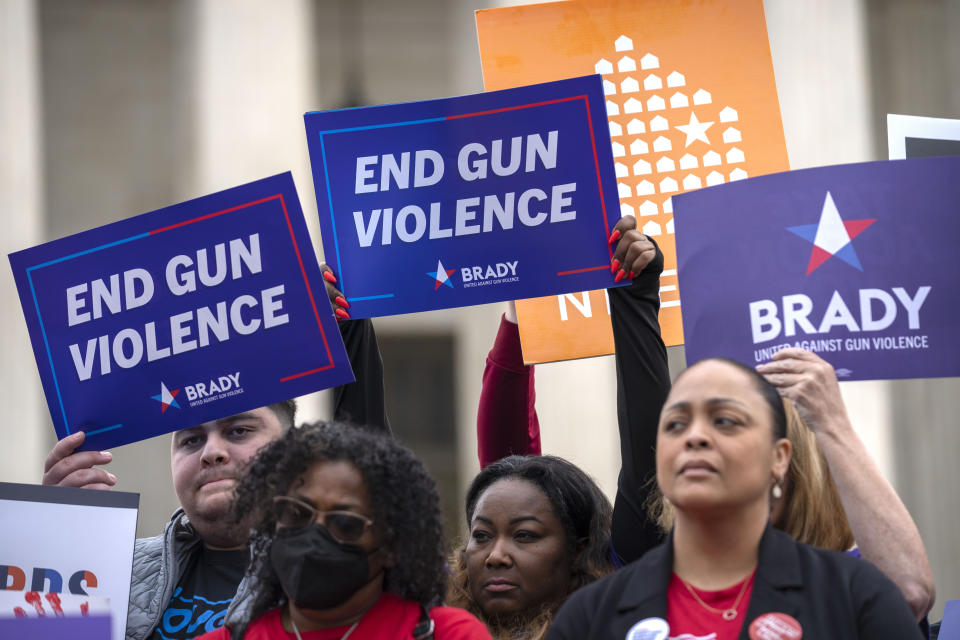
404,499
577,502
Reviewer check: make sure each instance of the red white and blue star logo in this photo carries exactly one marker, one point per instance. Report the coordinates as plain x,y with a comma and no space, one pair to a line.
442,276
832,236
166,398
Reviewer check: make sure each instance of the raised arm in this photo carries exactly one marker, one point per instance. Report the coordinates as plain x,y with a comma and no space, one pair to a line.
885,533
643,381
360,402
507,418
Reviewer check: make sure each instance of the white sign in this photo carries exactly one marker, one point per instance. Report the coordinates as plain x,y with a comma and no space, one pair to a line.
76,542
916,137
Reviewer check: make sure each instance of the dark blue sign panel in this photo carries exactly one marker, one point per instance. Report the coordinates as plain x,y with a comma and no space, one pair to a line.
447,203
854,262
186,314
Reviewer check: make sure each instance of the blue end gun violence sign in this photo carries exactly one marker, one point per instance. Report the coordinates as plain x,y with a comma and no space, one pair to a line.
186,314
468,200
854,262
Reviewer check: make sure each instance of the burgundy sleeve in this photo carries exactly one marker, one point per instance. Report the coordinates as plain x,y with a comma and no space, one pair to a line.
507,418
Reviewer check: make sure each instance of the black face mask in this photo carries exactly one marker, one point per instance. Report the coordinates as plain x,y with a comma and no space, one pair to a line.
315,570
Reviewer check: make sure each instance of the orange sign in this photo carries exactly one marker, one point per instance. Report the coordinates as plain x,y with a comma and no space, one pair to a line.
691,101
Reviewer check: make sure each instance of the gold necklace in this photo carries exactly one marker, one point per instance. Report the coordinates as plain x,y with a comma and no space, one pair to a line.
343,637
728,614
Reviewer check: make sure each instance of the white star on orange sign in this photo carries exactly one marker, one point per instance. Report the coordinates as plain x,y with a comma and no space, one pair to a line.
695,130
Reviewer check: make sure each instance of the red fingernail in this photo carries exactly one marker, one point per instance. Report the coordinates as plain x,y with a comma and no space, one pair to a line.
632,276
614,265
340,300
329,277
620,276
614,236
342,314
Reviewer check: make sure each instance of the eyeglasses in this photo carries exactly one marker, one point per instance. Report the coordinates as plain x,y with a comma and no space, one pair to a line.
345,526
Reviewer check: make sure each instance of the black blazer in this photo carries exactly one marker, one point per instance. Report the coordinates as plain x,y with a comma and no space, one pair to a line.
831,595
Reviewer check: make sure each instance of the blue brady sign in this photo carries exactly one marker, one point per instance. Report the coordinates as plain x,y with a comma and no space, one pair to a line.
854,262
446,203
186,314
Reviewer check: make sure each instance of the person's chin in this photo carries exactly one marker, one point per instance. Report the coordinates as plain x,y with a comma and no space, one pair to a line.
213,505
696,498
502,604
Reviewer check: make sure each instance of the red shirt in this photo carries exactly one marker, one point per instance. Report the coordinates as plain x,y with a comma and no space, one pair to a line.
690,620
391,617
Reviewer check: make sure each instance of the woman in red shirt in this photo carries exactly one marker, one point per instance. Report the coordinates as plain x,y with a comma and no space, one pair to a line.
539,528
348,543
724,573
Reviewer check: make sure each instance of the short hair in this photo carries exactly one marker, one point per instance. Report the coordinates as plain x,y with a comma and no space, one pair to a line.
403,495
576,500
286,411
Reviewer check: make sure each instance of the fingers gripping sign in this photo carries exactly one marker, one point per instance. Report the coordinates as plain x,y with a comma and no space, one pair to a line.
809,382
337,301
634,250
65,468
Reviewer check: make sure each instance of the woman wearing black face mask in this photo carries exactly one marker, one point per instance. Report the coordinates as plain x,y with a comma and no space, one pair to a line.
348,543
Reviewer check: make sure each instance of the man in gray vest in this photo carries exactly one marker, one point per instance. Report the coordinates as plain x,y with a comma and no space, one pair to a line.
184,579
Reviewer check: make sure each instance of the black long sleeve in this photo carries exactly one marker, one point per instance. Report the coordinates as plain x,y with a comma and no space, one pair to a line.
643,381
362,402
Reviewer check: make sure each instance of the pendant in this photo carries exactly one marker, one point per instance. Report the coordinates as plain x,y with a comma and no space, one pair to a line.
729,614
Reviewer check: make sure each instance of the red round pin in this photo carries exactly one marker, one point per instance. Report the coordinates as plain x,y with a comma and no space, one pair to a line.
775,626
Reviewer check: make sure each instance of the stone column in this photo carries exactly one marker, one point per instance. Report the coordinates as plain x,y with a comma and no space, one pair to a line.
915,57
248,77
27,433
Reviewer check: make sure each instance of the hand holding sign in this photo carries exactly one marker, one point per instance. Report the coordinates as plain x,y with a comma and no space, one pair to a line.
66,467
881,525
634,250
337,301
810,383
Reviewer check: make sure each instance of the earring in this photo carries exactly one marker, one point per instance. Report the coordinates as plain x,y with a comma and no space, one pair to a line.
777,492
